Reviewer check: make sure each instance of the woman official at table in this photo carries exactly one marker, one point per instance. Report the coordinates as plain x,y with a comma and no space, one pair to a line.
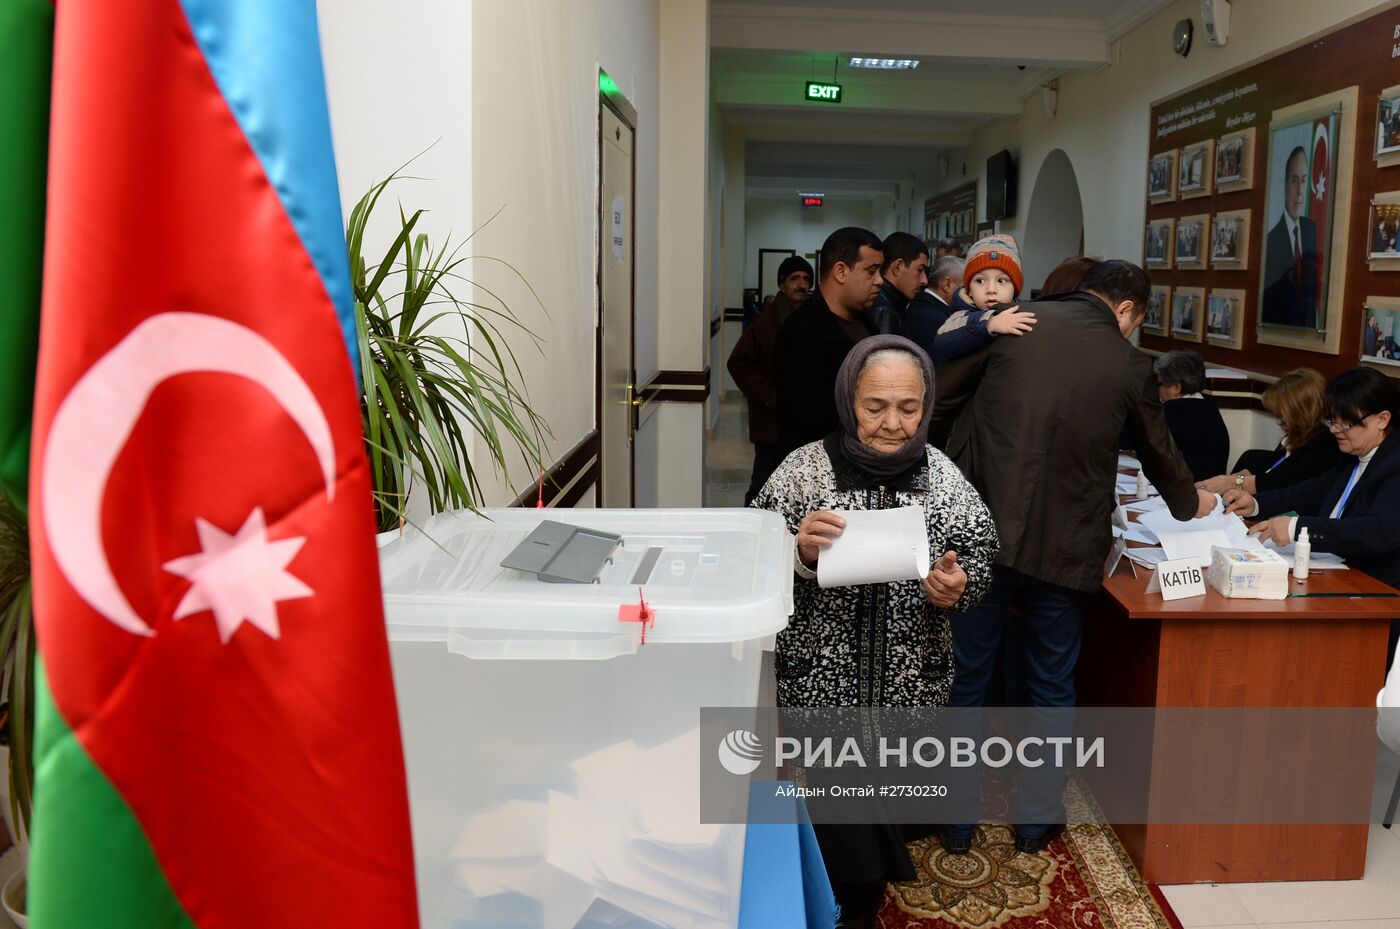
885,644
1193,418
1307,450
1354,509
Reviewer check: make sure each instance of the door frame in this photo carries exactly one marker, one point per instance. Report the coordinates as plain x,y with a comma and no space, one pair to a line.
610,96
776,251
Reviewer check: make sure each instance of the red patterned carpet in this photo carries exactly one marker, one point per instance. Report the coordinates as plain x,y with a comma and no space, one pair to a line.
1082,880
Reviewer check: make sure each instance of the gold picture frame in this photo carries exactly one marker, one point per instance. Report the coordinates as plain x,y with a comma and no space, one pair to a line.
1188,313
1229,240
1224,318
1196,170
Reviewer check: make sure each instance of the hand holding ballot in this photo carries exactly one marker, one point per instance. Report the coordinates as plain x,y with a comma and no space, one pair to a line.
1273,530
816,532
1239,502
945,582
1205,503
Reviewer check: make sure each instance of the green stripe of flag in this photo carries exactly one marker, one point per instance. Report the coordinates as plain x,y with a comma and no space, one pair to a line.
26,58
91,865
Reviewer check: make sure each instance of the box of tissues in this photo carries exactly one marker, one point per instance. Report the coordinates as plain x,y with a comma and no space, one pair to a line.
1256,574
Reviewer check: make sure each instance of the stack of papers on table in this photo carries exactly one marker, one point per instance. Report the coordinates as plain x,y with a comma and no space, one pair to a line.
626,847
1195,538
1256,574
1147,557
1128,484
1319,561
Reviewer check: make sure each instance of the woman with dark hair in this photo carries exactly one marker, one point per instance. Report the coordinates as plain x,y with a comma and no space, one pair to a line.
882,645
1354,509
1193,418
1067,275
1307,448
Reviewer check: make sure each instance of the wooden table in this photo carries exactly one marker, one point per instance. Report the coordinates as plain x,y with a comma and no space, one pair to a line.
1211,651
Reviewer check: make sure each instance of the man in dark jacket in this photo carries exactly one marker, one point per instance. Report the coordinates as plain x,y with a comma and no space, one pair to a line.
751,365
814,341
904,273
1038,438
932,306
1290,254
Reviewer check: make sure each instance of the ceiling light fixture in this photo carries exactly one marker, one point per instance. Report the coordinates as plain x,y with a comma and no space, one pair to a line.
886,64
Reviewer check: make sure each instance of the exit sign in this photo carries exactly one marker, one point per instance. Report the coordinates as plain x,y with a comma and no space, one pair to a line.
811,201
827,93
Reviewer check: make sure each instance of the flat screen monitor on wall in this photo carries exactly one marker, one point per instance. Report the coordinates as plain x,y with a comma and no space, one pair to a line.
1001,186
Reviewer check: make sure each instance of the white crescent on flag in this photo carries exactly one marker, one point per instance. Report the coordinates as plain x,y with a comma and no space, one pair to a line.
1319,186
98,415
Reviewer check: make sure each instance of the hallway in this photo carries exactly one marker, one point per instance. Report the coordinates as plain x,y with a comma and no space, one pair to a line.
728,454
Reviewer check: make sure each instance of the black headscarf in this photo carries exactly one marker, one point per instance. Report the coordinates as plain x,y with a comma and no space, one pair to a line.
880,464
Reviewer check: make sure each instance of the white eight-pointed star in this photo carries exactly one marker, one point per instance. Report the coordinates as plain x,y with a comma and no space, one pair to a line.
239,577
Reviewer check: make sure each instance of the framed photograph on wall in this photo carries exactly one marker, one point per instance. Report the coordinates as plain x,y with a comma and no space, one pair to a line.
1388,127
1161,177
1383,232
1157,252
1234,161
1307,207
1196,166
1229,241
1380,333
1188,311
1225,317
1158,309
1192,241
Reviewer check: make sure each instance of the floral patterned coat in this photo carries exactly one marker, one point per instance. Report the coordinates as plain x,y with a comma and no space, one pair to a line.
875,644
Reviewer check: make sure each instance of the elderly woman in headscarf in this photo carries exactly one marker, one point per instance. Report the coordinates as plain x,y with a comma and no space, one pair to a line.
876,644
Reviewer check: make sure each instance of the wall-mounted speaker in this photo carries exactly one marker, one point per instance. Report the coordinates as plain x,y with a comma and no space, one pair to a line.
1215,17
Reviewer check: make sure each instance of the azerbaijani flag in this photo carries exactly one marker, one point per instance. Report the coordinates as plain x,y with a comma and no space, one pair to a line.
1320,185
26,45
218,741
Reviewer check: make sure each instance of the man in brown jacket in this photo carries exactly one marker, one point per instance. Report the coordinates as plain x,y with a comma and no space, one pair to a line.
751,366
1036,432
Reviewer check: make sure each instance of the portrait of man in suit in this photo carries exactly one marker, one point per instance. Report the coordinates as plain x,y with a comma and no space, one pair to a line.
1290,254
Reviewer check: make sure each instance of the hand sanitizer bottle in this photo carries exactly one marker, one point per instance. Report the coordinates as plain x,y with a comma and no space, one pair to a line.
1302,552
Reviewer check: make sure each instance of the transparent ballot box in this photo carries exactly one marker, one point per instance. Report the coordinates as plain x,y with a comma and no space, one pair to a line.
553,758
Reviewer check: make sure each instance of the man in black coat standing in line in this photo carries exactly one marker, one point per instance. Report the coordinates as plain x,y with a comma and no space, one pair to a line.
905,273
814,341
1037,435
751,366
1290,254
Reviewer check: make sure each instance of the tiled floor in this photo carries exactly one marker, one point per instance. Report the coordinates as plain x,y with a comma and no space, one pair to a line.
1371,903
728,455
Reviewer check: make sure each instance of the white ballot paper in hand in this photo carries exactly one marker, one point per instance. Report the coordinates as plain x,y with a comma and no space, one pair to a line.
876,546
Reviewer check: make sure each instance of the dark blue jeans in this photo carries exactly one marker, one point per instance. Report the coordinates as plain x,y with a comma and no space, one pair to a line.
1049,633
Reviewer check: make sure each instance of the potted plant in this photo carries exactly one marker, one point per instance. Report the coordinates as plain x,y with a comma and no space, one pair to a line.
434,369
17,700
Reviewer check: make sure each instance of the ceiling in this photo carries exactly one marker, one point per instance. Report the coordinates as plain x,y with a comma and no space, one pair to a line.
974,67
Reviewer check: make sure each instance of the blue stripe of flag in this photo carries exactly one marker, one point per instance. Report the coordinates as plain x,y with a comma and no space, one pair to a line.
265,56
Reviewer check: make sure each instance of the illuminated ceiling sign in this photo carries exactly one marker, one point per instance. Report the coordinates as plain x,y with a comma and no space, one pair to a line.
826,93
886,64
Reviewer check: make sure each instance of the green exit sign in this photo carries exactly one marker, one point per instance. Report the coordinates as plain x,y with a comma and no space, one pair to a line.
827,93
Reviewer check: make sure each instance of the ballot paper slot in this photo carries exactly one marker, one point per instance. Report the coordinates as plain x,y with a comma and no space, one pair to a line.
646,565
558,553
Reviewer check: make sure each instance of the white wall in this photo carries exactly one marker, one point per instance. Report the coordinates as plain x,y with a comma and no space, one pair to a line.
787,224
534,71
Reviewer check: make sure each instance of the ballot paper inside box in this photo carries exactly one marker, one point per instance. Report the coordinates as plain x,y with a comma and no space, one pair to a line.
553,759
